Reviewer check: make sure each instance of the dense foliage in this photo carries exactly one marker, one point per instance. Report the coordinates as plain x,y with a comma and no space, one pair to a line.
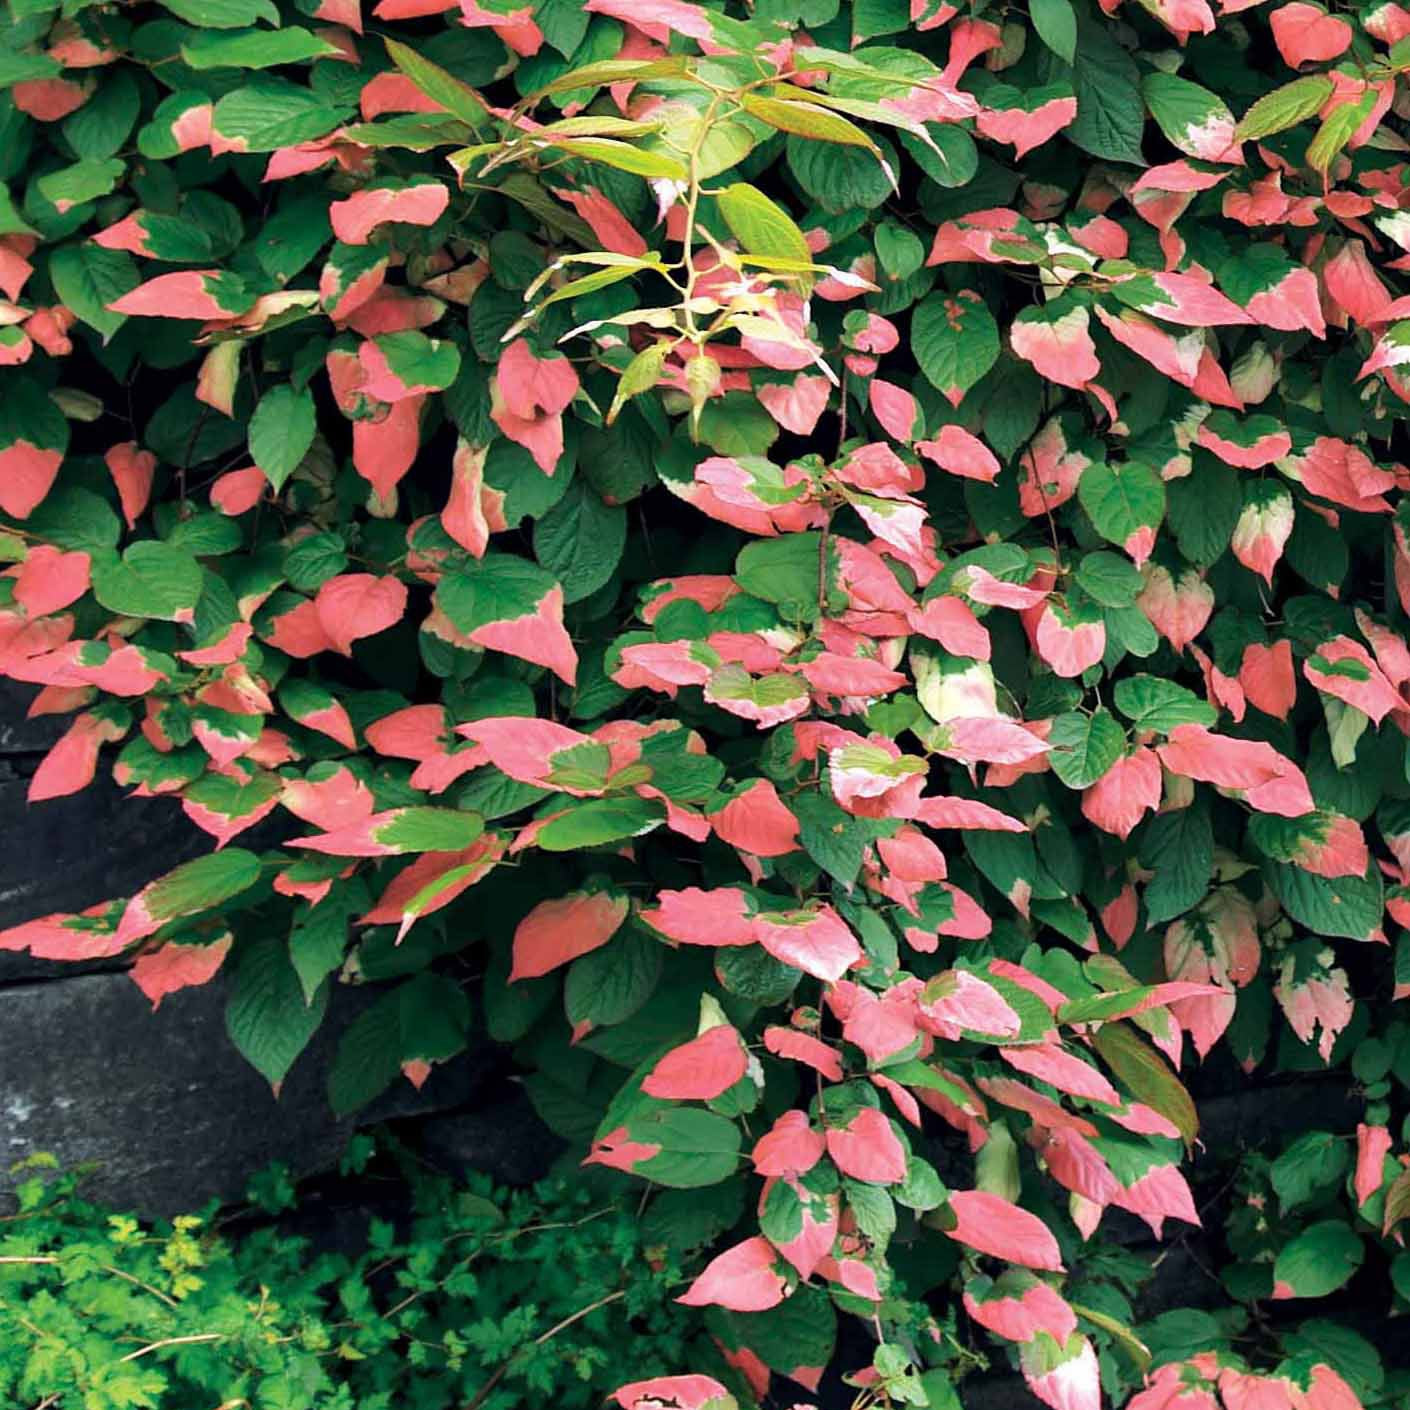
486,1298
836,571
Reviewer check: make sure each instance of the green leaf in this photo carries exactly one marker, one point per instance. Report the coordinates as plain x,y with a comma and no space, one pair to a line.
266,1015
319,938
1179,847
736,424
834,839
1151,702
88,278
498,588
1337,130
1314,1163
254,48
424,1019
1109,579
955,340
1350,906
784,571
315,559
763,227
429,830
76,519
644,370
83,181
1187,114
611,983
580,540
899,251
223,14
281,432
1111,114
1147,1076
151,579
606,71
1284,107
457,98
1319,1260
1204,508
1056,23
802,1329
807,119
200,885
1084,747
695,1148
1125,503
873,17
622,156
101,127
598,821
950,158
420,363
268,114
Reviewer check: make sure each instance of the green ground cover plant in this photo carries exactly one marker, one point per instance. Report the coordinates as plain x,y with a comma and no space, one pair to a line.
485,1297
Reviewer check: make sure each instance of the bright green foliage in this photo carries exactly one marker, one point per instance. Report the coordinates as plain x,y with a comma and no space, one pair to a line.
487,1296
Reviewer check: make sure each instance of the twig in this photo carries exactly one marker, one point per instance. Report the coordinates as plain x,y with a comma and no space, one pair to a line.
567,1322
173,1341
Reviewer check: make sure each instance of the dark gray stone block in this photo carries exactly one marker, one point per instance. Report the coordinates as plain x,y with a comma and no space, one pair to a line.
503,1137
164,1104
71,853
19,735
161,1101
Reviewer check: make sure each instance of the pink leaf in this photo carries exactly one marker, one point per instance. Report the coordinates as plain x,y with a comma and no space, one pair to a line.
796,405
1373,1144
744,1278
530,384
696,917
611,227
538,636
49,579
1125,793
191,293
172,966
1068,644
803,1047
1068,1073
1018,1306
673,1393
867,1148
790,1147
71,763
989,1223
895,408
700,1070
354,219
817,941
1027,130
1063,1377
432,881
757,821
27,474
955,450
356,605
1060,349
1306,33
555,932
